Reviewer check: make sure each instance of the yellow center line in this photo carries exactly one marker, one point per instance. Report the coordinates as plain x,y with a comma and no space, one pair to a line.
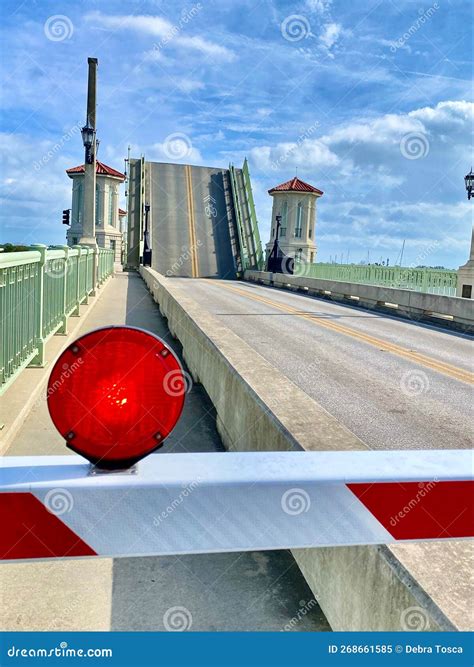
417,357
192,229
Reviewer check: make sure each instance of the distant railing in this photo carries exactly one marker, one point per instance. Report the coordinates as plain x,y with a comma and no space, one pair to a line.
39,289
431,281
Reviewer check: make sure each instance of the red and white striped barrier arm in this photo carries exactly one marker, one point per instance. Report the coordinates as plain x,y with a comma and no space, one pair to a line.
56,507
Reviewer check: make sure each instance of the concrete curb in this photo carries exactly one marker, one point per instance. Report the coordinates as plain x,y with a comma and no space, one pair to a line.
23,393
258,408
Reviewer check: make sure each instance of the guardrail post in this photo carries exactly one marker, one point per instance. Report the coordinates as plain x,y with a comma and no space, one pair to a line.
39,359
424,281
62,331
87,251
76,311
95,269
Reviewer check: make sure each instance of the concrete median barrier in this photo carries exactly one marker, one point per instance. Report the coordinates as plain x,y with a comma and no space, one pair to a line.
403,587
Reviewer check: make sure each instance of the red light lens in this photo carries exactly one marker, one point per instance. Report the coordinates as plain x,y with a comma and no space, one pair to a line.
116,394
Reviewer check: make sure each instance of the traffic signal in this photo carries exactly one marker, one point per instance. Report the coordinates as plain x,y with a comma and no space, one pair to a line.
66,214
115,394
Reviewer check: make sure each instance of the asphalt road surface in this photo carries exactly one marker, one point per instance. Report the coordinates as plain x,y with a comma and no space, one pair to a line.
394,383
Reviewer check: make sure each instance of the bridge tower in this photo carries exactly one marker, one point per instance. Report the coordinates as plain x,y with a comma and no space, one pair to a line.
108,231
295,201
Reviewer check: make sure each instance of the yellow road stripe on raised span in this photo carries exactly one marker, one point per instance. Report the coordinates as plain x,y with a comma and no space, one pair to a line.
192,229
417,357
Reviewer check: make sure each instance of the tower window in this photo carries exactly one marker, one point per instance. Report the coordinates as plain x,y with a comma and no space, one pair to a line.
299,221
111,205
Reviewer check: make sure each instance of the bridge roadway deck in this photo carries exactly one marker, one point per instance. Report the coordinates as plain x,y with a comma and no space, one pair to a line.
241,591
190,220
394,383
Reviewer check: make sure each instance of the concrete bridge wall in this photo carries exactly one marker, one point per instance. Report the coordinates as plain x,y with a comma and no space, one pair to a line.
447,310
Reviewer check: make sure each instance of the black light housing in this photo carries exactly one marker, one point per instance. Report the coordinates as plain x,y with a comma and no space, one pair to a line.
88,136
469,181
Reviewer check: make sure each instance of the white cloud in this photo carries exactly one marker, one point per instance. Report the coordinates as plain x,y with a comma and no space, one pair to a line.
189,85
309,152
330,35
263,112
37,188
162,152
166,32
319,6
370,142
446,113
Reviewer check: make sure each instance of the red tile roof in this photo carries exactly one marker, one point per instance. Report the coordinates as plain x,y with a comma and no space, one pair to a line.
122,212
101,169
295,185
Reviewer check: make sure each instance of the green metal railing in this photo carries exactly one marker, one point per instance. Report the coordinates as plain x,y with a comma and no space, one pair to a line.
239,218
432,281
39,289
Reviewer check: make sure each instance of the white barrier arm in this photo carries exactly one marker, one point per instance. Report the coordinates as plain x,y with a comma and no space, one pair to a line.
53,507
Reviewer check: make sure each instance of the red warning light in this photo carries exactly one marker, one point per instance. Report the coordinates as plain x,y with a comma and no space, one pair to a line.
115,394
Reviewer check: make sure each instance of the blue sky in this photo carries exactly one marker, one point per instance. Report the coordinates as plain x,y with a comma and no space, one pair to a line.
370,101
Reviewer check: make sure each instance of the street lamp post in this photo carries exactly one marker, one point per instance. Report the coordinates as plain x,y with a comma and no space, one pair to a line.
146,239
278,225
88,133
469,181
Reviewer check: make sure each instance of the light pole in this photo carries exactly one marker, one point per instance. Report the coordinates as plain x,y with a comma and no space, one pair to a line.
469,182
88,133
275,257
146,239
